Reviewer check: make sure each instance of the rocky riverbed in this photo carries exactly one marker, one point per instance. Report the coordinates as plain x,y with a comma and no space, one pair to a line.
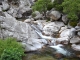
34,32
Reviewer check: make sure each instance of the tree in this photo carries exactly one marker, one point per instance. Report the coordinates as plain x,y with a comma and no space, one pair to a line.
70,7
42,6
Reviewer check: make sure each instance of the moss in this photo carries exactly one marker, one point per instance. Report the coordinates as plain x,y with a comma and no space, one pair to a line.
73,23
33,14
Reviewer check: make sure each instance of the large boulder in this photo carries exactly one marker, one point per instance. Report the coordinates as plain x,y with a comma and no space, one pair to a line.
24,33
75,39
11,27
34,44
75,47
55,15
52,28
66,35
65,19
17,8
36,15
5,5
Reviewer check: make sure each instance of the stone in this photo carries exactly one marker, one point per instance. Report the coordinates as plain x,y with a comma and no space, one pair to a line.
77,28
17,29
75,39
65,19
55,15
75,47
66,35
52,28
34,44
78,33
37,15
0,8
5,5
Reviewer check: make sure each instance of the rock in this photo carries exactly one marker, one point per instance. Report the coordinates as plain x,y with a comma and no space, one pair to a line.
65,19
62,28
77,28
5,5
34,44
28,20
78,33
37,15
75,39
55,15
66,35
20,8
0,8
76,47
52,28
24,3
20,30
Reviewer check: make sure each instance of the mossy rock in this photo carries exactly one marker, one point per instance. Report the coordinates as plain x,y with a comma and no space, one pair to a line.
73,23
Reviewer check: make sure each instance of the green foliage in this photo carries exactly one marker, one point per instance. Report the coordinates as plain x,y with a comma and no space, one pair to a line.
41,5
73,23
33,14
57,5
69,7
10,49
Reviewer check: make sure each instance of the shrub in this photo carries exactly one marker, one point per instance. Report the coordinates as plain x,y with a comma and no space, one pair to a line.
11,50
69,7
42,6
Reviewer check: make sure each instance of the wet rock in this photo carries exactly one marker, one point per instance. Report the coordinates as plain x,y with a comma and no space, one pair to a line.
34,44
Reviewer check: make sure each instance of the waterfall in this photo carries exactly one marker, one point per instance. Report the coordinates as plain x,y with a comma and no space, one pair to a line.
53,40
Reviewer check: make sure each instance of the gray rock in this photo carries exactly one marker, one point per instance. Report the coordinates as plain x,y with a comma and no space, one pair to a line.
5,5
37,15
52,28
78,33
66,35
65,19
75,47
55,15
75,39
0,8
18,29
34,44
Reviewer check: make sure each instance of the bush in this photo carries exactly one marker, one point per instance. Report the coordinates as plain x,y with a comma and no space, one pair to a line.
11,50
69,7
42,6
57,5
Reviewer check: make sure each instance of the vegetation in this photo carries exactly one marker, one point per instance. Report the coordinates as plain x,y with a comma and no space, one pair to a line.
43,6
10,49
70,7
